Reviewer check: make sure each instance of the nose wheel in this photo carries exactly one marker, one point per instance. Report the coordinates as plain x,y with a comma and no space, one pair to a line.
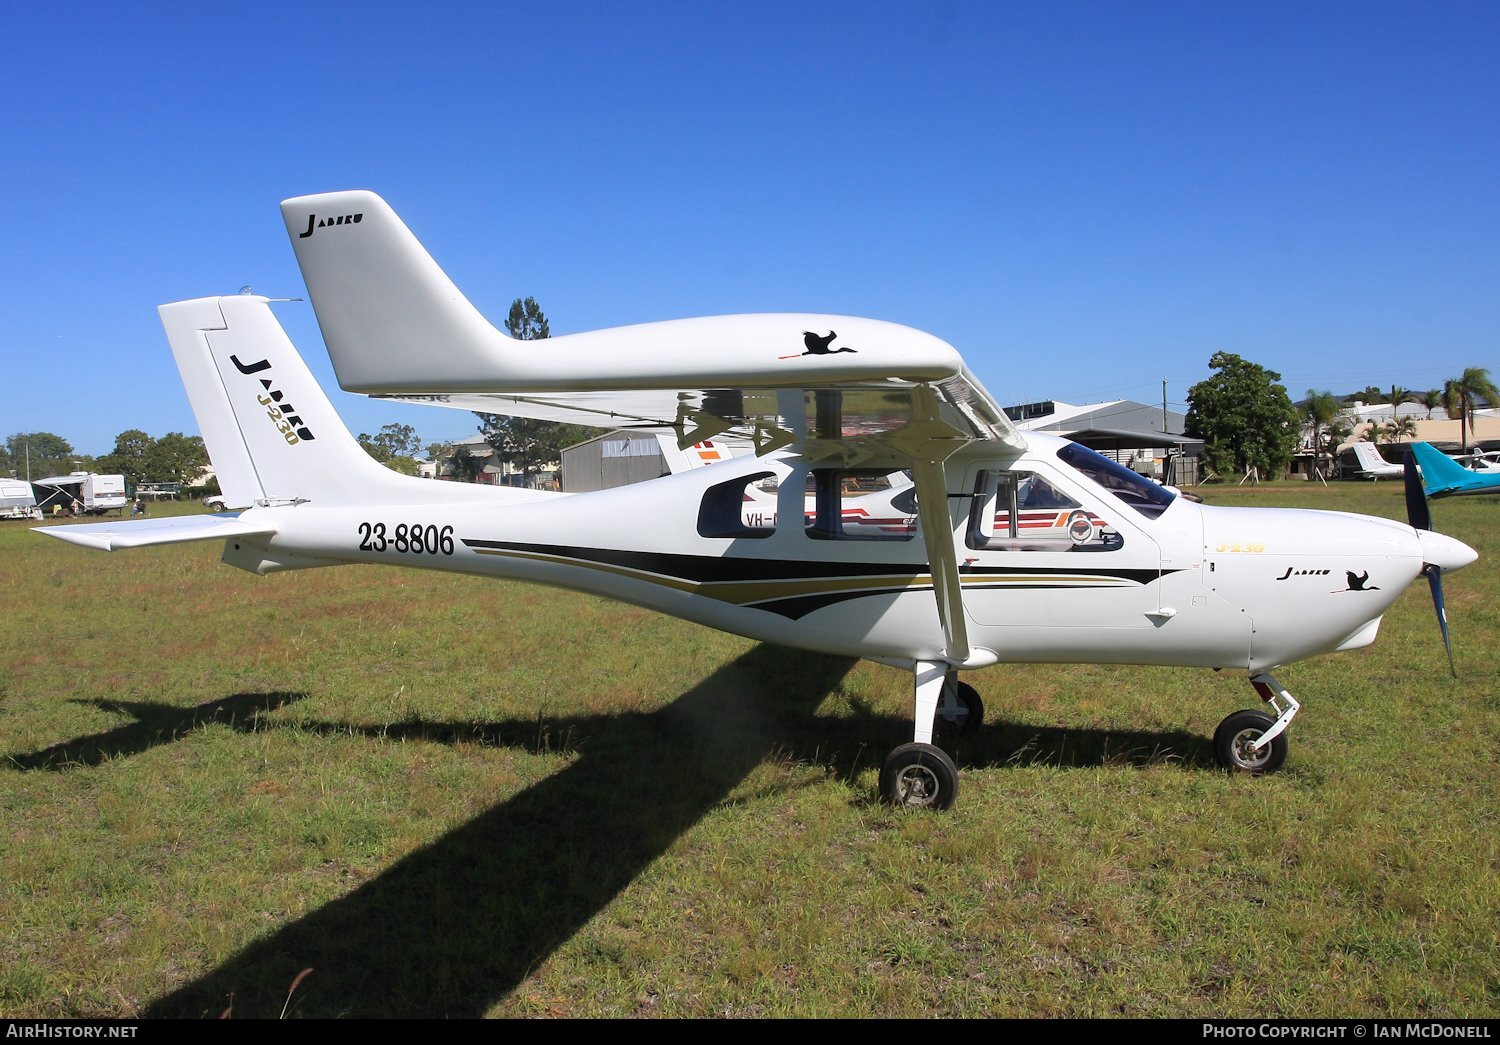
1255,742
1234,744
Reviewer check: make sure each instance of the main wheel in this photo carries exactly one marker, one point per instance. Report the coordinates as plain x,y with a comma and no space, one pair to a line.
919,775
963,720
1236,734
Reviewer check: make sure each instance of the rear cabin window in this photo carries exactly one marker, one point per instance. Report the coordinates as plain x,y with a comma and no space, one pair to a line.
1022,511
739,508
860,505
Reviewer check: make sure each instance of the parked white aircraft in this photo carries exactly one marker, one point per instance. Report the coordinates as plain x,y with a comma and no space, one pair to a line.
886,505
1482,461
826,402
1373,466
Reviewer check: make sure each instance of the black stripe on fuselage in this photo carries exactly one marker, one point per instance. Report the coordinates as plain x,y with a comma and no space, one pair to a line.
703,569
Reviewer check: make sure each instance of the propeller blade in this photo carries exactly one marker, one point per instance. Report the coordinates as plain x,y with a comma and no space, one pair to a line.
1435,582
1417,511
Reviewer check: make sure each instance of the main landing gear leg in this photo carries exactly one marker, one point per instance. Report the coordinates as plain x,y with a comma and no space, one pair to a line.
1253,741
920,774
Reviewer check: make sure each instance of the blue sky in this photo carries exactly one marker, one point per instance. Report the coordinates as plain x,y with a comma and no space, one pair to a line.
1084,198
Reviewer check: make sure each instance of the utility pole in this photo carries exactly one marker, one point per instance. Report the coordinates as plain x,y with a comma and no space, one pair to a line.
1164,405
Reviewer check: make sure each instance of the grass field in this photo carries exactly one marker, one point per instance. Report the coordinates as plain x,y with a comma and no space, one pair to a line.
449,797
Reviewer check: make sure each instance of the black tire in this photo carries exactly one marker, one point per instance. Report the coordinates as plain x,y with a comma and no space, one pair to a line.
919,776
969,718
1234,736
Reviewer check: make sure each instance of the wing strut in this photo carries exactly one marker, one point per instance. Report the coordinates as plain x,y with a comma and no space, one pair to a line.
928,441
942,560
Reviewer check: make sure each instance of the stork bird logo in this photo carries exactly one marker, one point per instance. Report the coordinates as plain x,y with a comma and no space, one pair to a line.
817,345
1356,582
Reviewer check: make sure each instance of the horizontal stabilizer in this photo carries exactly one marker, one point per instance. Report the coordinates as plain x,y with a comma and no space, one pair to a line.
141,533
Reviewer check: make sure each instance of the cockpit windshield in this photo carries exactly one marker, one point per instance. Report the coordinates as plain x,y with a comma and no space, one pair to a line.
1135,490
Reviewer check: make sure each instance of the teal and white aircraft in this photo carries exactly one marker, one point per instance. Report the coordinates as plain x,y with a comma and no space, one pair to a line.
1120,569
1443,476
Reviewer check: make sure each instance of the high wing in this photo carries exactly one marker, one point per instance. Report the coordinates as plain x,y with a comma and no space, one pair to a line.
397,327
859,391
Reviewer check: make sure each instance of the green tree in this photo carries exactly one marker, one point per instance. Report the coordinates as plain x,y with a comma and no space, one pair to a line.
1451,402
176,458
397,440
396,446
522,441
458,463
1401,428
1244,417
1322,410
43,453
1464,393
131,457
526,321
1430,400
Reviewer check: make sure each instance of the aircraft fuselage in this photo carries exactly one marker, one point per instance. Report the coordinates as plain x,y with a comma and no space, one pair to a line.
1184,584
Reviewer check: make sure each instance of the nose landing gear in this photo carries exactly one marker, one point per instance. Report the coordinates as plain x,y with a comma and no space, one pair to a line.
1252,741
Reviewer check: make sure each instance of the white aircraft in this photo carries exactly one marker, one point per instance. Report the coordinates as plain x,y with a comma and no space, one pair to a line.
1443,476
874,506
1482,461
825,401
1372,465
887,504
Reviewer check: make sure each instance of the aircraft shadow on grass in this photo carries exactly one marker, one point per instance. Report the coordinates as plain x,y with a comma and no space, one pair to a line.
154,725
455,927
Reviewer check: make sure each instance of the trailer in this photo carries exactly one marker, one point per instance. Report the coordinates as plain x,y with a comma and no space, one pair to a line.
81,493
17,500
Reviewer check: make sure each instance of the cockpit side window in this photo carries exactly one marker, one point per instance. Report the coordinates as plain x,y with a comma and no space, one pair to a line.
1022,511
860,504
1135,490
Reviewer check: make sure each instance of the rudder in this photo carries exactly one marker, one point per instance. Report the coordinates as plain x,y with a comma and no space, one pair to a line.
1440,473
271,432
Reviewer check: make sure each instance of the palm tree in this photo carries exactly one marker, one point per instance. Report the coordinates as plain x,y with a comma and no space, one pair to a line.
1399,428
1399,395
1321,409
1451,399
1339,431
1465,392
1430,400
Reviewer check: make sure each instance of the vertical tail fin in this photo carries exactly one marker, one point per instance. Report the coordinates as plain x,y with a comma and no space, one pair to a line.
1441,474
271,432
1372,464
682,459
